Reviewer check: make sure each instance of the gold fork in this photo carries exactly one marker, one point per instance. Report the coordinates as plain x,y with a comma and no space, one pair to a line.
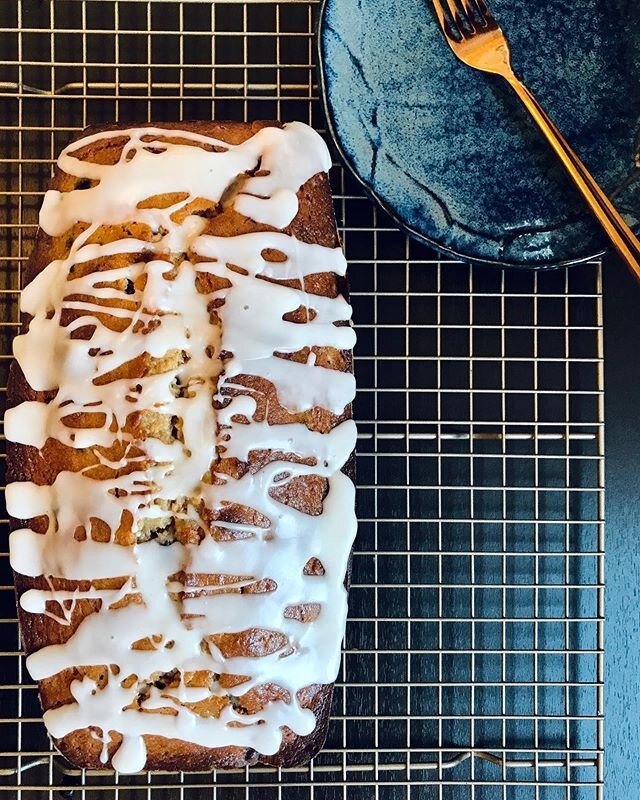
476,39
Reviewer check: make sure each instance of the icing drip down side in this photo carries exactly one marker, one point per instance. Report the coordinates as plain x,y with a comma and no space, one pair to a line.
143,343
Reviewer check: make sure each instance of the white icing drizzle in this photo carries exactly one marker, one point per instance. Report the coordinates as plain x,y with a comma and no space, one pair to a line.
35,600
170,318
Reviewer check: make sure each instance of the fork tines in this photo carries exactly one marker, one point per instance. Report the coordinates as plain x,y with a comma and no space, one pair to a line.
460,19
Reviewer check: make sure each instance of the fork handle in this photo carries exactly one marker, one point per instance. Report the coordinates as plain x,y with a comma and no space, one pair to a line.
621,235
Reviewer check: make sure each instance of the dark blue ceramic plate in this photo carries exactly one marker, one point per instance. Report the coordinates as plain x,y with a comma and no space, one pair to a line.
451,154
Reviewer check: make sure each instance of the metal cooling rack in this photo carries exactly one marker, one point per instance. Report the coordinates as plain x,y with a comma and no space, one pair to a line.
473,664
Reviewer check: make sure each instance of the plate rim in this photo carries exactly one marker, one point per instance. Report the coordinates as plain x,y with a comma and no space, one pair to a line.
402,224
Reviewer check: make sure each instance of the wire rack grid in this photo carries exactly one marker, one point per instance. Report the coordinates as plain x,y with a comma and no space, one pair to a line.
473,662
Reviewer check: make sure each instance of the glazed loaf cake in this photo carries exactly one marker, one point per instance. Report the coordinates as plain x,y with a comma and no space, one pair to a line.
180,447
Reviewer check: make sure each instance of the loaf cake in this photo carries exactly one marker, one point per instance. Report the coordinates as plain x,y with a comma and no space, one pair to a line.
180,447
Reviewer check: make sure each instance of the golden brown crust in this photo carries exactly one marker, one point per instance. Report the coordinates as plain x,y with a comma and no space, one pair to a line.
314,223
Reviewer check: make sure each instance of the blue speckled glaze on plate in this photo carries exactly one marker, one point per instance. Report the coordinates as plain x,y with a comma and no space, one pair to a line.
450,152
